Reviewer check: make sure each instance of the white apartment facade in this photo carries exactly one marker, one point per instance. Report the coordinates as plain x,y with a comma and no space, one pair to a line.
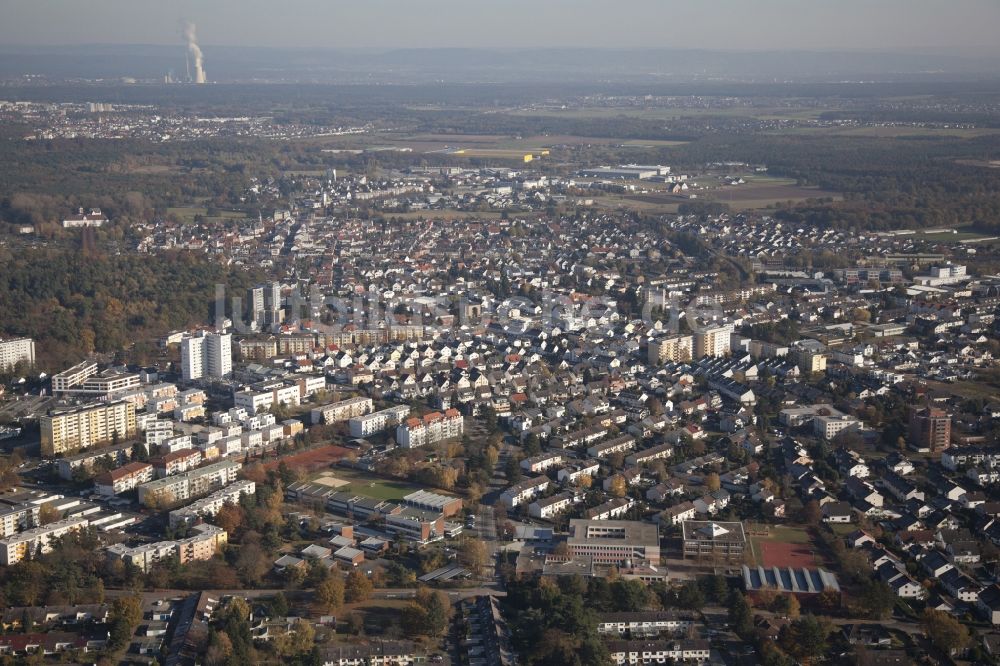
15,548
432,428
16,350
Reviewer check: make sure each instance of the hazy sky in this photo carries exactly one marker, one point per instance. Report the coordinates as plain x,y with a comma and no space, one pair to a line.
908,25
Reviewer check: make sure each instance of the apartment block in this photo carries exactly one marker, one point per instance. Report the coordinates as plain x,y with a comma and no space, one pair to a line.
176,462
16,350
712,340
549,507
930,428
202,546
15,548
524,491
116,455
85,427
542,462
75,376
678,348
649,455
644,623
125,478
376,422
616,445
258,350
209,506
341,411
432,428
183,487
17,516
207,355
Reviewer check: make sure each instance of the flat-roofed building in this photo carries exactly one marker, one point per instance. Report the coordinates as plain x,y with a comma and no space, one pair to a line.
930,428
72,377
709,538
428,501
203,545
18,516
16,350
87,426
258,350
614,541
182,487
376,422
107,385
712,340
673,349
112,455
415,524
211,505
17,547
342,410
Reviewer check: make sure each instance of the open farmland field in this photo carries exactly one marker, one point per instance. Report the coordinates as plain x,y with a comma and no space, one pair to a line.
763,193
186,214
900,132
666,113
451,215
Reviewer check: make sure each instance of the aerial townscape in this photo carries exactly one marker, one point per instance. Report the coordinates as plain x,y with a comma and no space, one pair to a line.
542,355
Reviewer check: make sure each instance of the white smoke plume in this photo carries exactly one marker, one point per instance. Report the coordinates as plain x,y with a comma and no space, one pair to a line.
195,52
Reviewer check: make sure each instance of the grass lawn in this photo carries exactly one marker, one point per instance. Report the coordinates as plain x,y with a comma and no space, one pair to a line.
186,214
785,534
843,529
372,486
958,234
777,534
447,215
762,192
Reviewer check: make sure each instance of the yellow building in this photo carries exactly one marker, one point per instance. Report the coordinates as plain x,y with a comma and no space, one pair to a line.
810,361
86,426
674,349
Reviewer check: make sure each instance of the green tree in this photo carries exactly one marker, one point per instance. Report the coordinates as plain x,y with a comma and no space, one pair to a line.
805,638
945,632
472,553
740,615
438,610
358,587
690,596
330,594
279,605
124,617
877,599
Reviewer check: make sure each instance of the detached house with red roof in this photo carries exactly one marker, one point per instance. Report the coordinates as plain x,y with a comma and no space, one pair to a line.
433,427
